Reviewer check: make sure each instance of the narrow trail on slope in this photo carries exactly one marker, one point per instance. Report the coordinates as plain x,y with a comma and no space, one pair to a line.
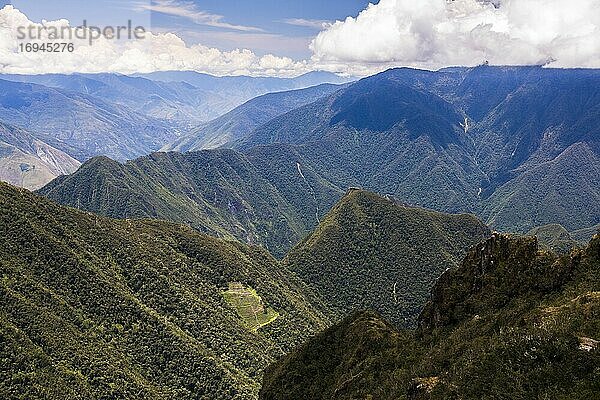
311,191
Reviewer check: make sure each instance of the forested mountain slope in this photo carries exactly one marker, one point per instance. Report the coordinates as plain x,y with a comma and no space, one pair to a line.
529,156
565,189
511,322
266,198
555,238
99,308
372,253
403,132
141,308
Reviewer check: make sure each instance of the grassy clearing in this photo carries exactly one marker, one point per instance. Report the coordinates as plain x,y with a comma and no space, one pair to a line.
249,306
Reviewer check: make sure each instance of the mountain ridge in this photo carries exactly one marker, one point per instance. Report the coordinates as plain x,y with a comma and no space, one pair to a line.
371,253
221,192
144,308
511,321
233,125
81,125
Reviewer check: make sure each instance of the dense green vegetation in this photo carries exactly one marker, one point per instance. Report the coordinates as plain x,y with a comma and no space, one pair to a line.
135,308
259,199
565,189
372,253
554,237
512,322
97,308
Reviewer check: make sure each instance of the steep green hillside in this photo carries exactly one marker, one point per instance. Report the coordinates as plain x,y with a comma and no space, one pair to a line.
548,113
511,322
355,359
262,199
97,308
554,237
401,132
565,189
530,155
371,253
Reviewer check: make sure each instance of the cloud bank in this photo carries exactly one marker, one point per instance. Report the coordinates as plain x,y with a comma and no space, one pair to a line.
156,52
438,33
424,33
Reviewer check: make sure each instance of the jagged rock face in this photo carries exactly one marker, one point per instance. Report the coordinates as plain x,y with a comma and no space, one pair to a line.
491,275
511,322
594,247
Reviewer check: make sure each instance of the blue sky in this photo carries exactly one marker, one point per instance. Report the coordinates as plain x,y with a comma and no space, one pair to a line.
283,27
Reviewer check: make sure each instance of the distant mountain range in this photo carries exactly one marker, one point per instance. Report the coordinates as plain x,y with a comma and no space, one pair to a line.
185,97
124,117
232,126
81,125
245,87
27,161
523,161
176,101
306,244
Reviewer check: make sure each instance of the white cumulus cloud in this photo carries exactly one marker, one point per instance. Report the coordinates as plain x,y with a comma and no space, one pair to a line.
419,33
438,33
155,52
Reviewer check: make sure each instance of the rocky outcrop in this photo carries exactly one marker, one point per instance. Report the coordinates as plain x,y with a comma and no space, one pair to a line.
491,275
